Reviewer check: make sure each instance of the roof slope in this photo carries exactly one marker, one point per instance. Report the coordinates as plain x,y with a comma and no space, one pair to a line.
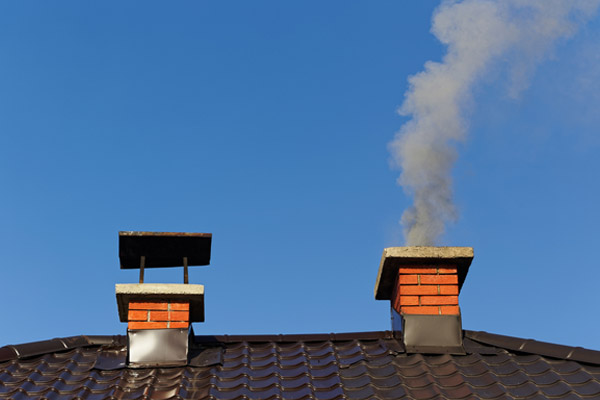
337,366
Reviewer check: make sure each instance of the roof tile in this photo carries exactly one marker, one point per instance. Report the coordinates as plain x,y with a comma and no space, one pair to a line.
491,391
359,366
589,389
556,390
365,392
526,389
577,378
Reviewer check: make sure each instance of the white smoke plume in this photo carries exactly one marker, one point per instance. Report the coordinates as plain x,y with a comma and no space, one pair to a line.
479,35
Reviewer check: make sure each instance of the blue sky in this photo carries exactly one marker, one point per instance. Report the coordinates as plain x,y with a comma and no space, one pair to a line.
267,124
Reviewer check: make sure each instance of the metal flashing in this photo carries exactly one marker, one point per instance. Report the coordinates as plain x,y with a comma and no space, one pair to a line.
157,347
432,334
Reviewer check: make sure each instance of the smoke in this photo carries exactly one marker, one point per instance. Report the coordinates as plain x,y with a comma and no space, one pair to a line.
480,35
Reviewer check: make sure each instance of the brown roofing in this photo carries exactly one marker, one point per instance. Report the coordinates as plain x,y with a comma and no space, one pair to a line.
331,366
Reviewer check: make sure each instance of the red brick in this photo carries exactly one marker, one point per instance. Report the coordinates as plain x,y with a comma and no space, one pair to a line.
408,279
148,306
137,315
450,310
417,271
447,270
147,325
420,289
439,279
179,316
180,306
409,300
421,310
448,289
159,315
179,324
439,300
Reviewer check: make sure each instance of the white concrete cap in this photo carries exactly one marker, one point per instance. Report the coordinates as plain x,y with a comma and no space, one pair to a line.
394,257
161,292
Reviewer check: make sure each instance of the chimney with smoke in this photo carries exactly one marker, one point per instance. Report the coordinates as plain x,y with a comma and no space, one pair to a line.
423,284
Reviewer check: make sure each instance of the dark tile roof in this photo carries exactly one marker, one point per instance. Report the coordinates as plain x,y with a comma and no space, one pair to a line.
336,366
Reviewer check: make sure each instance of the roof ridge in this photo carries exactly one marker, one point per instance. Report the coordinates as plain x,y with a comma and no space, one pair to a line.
31,349
532,346
296,337
516,344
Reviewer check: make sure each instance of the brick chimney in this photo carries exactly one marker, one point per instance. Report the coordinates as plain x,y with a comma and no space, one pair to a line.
159,315
423,284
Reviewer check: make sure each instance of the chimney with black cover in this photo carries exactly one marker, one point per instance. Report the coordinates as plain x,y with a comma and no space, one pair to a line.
423,284
159,315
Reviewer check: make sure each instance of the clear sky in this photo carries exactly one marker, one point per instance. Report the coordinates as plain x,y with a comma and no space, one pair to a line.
267,123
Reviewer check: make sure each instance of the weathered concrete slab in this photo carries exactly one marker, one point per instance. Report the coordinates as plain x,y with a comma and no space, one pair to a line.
161,292
394,257
428,252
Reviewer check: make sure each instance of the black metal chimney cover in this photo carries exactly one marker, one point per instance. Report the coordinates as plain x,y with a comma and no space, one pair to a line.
163,249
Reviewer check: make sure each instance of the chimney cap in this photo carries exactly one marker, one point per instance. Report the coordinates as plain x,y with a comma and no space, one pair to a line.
163,249
394,257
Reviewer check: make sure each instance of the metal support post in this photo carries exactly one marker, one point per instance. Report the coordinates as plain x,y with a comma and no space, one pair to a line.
185,270
142,265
